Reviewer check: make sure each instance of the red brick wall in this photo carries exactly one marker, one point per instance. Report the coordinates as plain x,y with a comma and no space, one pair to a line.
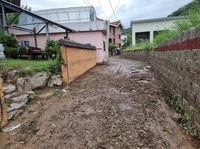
116,36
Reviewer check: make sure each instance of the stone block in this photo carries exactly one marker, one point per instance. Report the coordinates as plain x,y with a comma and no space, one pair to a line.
195,90
39,80
197,31
181,36
194,55
186,54
24,84
186,35
192,33
178,38
188,65
197,65
11,76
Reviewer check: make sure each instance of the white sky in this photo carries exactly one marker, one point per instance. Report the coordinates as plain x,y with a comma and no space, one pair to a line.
126,11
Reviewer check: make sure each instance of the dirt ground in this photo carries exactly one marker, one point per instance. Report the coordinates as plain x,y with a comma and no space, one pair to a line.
114,106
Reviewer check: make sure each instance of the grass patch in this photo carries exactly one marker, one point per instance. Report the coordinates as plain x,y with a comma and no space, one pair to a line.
28,67
133,47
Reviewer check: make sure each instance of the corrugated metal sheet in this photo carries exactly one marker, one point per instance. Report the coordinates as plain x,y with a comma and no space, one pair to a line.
15,2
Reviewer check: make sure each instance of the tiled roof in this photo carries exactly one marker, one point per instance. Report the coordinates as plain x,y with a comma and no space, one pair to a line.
116,22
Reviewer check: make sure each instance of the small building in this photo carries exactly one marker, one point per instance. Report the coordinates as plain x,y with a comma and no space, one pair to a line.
115,34
87,28
146,30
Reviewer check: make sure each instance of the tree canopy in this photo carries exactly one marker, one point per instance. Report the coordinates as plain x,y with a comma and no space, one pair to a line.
184,10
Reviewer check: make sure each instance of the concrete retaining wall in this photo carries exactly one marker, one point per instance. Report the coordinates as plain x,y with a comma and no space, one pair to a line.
78,58
177,63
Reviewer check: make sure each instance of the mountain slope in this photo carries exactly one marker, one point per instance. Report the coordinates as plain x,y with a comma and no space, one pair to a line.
184,10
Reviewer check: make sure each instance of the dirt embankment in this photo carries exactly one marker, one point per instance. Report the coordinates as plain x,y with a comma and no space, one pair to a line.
117,106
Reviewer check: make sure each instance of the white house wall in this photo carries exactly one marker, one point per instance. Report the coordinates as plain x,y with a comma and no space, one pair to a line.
150,26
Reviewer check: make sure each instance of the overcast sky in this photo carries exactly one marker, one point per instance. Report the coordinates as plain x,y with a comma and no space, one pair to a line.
125,10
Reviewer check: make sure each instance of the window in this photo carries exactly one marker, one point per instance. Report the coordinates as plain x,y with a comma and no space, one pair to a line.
119,36
114,41
91,16
120,45
110,40
104,46
113,31
110,30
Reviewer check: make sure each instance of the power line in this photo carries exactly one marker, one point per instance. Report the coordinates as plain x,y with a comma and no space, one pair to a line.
102,9
85,2
113,10
89,5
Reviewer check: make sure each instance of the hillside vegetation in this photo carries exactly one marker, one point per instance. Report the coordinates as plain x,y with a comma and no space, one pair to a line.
184,10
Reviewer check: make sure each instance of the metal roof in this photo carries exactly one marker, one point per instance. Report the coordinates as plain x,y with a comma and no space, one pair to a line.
9,7
157,19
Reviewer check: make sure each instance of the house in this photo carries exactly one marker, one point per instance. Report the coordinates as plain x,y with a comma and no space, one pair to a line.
146,30
87,28
115,34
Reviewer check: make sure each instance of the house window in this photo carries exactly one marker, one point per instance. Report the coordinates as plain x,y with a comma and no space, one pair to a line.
119,36
104,46
113,31
110,30
120,45
110,40
91,16
114,41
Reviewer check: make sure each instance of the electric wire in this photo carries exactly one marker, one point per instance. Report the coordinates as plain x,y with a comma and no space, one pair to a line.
102,9
112,10
90,6
115,8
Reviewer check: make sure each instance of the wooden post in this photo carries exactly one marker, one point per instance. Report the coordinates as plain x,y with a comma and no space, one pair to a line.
4,115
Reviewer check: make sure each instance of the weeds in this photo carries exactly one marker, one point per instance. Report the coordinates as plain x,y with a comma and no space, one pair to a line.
185,121
28,125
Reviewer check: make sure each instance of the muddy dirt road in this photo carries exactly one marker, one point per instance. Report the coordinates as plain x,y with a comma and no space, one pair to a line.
114,106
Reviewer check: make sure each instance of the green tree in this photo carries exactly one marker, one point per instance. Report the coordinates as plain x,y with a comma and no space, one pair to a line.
185,10
51,48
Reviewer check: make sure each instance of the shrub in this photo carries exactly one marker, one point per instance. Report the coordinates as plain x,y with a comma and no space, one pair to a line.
189,21
10,44
146,46
12,52
22,51
111,47
51,47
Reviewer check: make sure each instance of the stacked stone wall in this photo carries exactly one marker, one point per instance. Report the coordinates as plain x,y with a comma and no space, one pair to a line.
177,63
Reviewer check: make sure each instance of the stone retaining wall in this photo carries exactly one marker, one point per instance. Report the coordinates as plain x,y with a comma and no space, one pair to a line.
177,63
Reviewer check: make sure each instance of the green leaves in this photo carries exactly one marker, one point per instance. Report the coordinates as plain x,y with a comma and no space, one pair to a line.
51,47
189,21
111,47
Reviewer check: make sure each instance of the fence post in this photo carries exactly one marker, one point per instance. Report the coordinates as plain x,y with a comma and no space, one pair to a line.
4,115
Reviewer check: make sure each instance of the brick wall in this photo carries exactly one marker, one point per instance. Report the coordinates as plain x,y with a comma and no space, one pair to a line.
177,63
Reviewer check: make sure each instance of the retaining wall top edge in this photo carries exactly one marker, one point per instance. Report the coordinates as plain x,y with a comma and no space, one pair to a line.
73,44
